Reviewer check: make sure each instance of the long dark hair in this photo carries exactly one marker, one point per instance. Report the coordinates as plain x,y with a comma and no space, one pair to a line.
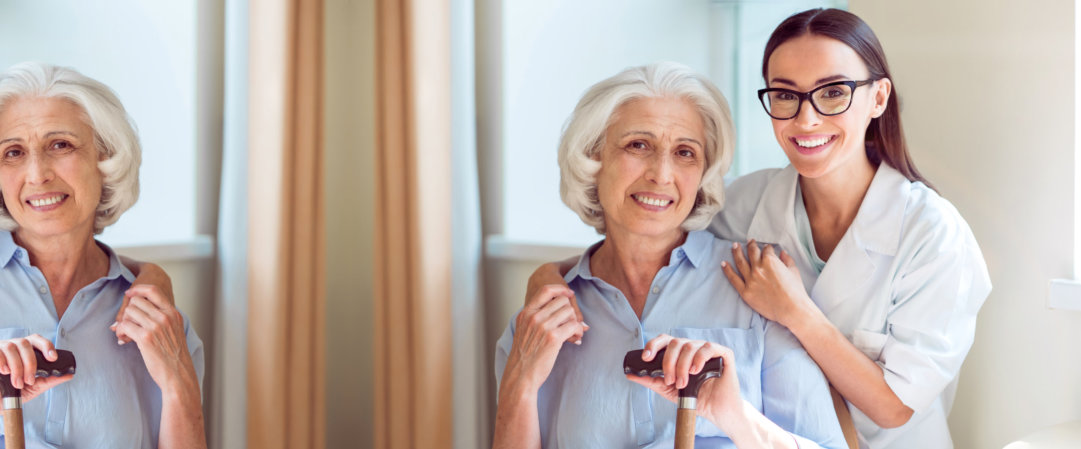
885,139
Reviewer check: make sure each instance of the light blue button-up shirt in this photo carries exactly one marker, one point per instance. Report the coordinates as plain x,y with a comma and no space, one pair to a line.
587,402
112,402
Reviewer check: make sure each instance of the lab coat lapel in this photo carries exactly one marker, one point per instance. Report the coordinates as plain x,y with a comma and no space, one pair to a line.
775,220
876,229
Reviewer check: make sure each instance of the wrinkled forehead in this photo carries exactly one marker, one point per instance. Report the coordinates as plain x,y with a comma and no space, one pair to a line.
30,116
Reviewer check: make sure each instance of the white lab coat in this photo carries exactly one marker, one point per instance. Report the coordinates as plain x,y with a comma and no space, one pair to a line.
904,285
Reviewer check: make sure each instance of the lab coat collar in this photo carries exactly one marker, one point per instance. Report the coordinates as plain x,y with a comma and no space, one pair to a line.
775,218
876,228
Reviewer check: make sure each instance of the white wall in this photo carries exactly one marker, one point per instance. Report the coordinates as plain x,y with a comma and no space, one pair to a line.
987,90
349,153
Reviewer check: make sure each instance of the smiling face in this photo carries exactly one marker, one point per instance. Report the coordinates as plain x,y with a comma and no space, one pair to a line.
815,144
651,167
49,173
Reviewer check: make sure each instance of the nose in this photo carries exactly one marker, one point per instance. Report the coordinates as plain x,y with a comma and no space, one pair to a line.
807,117
660,170
39,169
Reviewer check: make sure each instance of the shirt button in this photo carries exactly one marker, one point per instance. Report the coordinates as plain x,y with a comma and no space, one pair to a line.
43,289
636,333
63,333
656,290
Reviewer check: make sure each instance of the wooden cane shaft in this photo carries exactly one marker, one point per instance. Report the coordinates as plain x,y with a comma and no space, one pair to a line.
13,429
685,428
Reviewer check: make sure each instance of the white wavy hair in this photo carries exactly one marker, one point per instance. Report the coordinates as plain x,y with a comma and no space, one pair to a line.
583,137
115,136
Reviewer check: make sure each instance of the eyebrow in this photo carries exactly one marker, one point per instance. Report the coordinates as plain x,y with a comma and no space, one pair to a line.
818,82
654,136
47,135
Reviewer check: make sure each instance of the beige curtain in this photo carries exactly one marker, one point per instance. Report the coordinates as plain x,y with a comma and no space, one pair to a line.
286,311
413,251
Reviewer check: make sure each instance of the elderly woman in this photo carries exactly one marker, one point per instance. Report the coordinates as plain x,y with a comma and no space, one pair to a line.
69,165
642,160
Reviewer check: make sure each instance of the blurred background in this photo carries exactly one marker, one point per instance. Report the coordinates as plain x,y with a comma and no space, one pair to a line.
350,195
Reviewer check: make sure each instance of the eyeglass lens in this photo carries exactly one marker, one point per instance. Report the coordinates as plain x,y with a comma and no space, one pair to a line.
828,100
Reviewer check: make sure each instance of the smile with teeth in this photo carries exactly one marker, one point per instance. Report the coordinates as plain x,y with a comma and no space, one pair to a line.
811,143
657,202
41,202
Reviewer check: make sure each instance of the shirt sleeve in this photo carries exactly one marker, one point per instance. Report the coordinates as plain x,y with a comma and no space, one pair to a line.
195,348
932,321
742,196
502,351
795,394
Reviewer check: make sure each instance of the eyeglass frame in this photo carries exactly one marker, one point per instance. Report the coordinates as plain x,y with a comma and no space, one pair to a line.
807,96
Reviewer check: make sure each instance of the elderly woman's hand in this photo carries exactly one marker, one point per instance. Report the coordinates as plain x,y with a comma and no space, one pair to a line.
719,398
541,328
157,327
147,275
17,359
768,282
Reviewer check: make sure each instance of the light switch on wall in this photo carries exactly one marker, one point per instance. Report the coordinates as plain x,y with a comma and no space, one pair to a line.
1065,294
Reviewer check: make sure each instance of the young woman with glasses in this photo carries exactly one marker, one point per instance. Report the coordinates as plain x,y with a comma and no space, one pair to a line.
877,275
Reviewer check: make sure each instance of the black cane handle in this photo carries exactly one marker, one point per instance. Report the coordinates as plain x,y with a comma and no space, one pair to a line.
633,364
64,364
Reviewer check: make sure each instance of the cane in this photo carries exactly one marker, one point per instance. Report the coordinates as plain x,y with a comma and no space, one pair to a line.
12,399
688,396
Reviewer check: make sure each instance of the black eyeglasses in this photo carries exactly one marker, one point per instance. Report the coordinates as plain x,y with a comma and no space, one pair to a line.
828,99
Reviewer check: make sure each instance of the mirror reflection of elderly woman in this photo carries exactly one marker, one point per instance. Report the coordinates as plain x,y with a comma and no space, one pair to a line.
69,166
642,160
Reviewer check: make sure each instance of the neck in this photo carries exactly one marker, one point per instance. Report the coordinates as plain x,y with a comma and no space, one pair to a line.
836,197
630,262
68,262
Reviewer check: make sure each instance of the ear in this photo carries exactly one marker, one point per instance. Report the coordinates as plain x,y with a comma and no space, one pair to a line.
883,89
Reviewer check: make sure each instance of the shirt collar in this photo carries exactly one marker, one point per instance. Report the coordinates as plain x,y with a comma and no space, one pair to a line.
7,248
10,251
694,249
116,268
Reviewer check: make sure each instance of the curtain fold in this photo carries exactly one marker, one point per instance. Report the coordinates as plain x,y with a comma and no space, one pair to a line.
286,281
413,369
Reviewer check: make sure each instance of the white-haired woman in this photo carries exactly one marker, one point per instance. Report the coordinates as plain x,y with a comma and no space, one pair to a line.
69,166
642,159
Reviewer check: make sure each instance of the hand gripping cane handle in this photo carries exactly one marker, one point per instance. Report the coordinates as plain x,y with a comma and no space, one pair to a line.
685,414
12,397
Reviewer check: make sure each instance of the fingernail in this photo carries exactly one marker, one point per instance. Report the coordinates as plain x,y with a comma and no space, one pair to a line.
120,342
735,245
113,326
578,342
52,353
724,264
585,325
647,353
